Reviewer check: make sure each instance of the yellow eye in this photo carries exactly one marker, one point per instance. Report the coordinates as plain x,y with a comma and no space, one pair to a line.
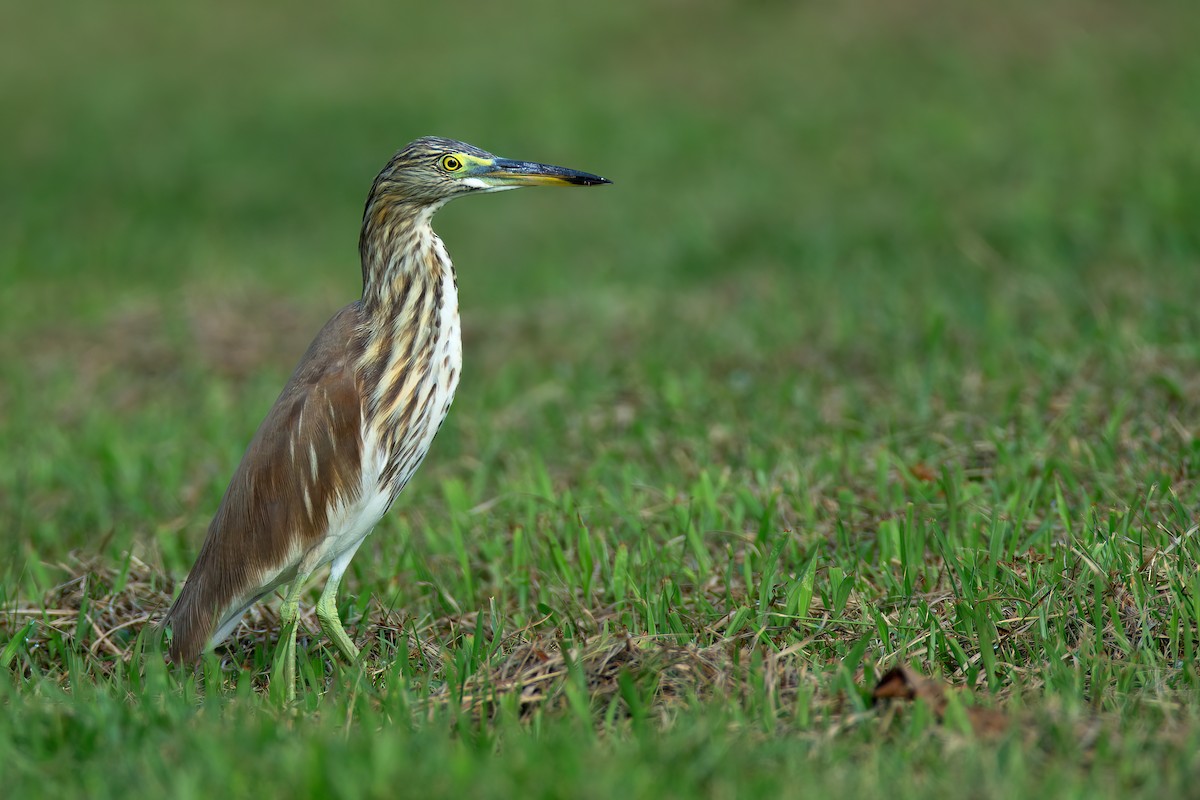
451,164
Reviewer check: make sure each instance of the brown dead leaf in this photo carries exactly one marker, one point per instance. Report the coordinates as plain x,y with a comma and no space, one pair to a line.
905,683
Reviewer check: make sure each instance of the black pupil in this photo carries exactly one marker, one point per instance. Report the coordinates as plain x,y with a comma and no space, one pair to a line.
451,163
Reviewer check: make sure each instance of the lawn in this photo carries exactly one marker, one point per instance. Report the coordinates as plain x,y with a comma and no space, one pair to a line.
883,350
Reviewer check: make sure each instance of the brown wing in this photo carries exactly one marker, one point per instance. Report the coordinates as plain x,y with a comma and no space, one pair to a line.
305,455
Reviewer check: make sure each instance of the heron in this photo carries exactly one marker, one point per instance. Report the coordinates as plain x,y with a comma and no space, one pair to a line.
357,416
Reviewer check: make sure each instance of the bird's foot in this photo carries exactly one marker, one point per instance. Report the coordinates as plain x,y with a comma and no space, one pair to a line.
331,626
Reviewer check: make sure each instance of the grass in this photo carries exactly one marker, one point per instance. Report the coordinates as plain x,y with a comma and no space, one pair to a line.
883,349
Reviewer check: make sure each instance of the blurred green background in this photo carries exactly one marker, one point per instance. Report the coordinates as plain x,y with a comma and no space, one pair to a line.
892,307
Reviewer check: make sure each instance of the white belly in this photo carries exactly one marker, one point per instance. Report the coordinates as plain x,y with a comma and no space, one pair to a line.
350,522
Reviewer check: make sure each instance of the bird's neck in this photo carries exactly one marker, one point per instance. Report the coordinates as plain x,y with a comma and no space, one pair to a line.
400,253
409,302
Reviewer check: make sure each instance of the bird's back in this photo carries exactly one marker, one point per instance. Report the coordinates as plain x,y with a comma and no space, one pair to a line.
303,465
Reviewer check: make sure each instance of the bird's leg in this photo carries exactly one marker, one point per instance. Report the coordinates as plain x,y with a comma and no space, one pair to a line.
328,616
283,670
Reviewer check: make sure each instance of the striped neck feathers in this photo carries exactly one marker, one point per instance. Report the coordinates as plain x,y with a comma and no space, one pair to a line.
400,253
405,303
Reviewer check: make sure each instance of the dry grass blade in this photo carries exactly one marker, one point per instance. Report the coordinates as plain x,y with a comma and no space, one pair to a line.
538,670
96,609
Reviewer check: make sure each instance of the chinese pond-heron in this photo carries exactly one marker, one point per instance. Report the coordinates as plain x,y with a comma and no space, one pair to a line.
357,416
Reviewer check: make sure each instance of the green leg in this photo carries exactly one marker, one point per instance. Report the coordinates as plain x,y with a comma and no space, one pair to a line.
328,617
283,670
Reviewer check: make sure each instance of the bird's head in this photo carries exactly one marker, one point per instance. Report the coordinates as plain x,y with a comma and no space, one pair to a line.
432,170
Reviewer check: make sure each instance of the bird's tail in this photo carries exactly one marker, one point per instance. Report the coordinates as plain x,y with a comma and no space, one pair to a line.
190,622
210,605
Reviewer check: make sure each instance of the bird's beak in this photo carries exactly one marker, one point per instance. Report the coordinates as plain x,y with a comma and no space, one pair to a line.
506,173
